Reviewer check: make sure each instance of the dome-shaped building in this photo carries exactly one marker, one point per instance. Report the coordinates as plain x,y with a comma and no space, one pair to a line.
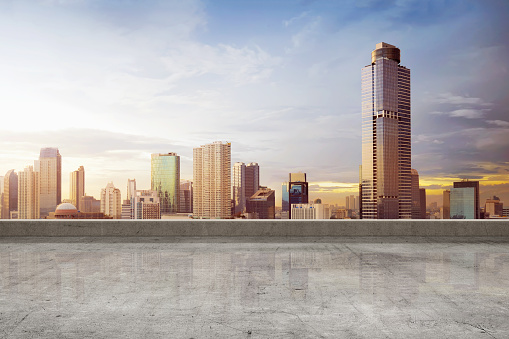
66,211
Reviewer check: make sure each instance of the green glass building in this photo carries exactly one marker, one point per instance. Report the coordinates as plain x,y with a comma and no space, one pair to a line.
165,180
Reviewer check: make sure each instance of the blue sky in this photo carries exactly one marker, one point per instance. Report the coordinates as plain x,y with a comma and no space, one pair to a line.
109,82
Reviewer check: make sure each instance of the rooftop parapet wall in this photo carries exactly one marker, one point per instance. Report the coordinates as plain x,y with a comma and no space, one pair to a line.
254,228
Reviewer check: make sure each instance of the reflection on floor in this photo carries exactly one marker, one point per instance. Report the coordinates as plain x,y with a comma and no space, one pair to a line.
201,288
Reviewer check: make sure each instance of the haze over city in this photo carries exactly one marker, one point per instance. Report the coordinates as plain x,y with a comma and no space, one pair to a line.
109,83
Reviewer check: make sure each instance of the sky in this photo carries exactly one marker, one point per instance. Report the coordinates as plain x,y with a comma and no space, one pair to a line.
110,82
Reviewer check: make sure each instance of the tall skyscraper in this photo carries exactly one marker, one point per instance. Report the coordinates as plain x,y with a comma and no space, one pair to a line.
10,196
386,149
239,187
252,179
49,167
212,181
111,201
475,185
165,180
297,190
77,186
28,194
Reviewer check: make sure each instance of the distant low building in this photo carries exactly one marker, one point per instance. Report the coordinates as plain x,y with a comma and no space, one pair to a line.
69,211
262,204
146,204
493,207
463,203
310,211
89,204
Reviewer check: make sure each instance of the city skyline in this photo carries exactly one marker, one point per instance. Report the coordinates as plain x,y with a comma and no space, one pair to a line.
279,81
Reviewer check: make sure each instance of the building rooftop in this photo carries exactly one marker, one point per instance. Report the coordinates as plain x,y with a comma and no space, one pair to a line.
389,287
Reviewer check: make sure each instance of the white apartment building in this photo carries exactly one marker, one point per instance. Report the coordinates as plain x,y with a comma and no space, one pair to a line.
212,181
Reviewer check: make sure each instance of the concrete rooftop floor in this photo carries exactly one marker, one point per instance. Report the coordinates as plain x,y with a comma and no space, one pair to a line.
254,287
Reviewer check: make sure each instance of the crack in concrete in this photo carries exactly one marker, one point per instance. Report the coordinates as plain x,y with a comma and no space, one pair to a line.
479,327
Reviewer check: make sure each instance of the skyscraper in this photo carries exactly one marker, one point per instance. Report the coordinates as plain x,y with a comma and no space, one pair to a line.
212,181
165,180
252,179
49,167
28,194
475,185
77,186
10,196
416,195
239,187
386,149
111,201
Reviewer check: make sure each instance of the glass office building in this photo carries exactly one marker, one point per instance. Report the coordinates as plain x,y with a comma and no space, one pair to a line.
462,201
165,180
386,149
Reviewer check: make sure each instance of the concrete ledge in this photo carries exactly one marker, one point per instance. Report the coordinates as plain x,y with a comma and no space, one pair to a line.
254,228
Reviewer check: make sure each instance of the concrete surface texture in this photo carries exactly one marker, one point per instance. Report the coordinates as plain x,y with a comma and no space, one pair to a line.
253,228
254,287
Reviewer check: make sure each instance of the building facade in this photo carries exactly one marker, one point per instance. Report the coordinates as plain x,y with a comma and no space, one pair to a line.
89,204
297,190
463,203
239,187
475,186
252,179
416,195
146,204
386,145
28,194
446,205
212,181
165,180
310,211
493,207
10,194
49,167
422,203
77,186
186,196
262,204
111,201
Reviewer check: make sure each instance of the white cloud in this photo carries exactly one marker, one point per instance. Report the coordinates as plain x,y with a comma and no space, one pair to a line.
449,98
499,123
289,22
467,113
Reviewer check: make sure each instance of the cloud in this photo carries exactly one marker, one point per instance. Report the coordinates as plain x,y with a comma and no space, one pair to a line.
467,113
449,98
303,39
289,22
499,123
